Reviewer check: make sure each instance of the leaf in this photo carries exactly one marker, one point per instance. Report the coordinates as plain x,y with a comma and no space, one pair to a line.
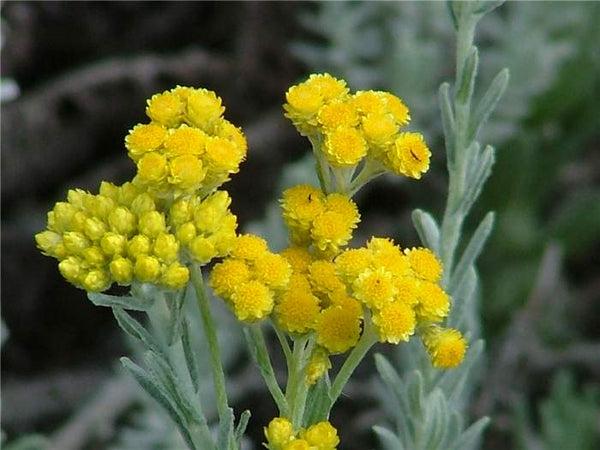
241,427
126,302
225,435
485,6
157,393
470,438
453,13
477,176
390,377
190,356
318,402
472,251
453,381
448,123
415,395
134,329
435,421
175,324
388,440
488,103
467,78
427,229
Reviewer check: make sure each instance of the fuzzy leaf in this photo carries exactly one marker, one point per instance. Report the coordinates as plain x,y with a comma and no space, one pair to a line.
225,435
453,381
477,176
390,377
175,323
472,251
241,426
190,356
485,6
427,229
414,394
318,402
488,103
134,329
436,419
448,123
126,302
470,438
388,439
468,76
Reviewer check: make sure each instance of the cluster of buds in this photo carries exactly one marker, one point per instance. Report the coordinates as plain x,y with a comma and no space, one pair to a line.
352,127
119,235
281,435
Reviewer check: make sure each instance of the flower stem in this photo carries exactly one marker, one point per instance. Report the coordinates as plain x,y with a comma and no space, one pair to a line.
211,337
366,341
296,389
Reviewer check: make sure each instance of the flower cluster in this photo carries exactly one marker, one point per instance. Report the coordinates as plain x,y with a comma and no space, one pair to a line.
250,278
188,147
119,235
324,221
169,215
280,435
354,126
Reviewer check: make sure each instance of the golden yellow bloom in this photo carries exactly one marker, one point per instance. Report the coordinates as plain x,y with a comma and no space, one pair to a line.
369,102
181,211
323,278
350,263
301,205
249,247
338,114
252,301
235,135
166,248
185,140
144,138
408,290
227,275
343,205
321,436
341,298
446,346
375,288
395,322
330,231
424,264
434,303
328,87
409,155
165,109
303,104
298,257
344,147
379,129
186,233
297,311
338,330
317,366
279,432
396,108
202,249
272,270
387,255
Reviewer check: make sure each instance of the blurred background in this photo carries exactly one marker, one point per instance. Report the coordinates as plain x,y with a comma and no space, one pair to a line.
75,76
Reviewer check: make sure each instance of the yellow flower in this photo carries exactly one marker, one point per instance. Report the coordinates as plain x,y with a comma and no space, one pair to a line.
338,330
279,432
343,205
252,301
121,269
181,211
204,108
139,245
152,168
298,257
323,278
122,221
331,231
396,108
273,270
344,147
96,280
341,298
395,322
301,205
369,102
202,249
408,290
321,436
434,303
94,256
249,247
185,140
72,269
297,444
379,129
48,242
328,87
227,275
144,138
186,233
350,263
424,264
387,255
75,242
151,224
446,346
235,135
337,114
186,172
375,288
303,104
165,109
317,366
297,311
166,248
409,155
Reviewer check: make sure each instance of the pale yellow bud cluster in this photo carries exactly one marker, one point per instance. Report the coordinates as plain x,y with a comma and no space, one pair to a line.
119,236
205,227
351,127
188,146
281,435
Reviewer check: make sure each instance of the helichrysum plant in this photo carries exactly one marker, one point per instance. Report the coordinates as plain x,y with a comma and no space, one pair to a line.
321,298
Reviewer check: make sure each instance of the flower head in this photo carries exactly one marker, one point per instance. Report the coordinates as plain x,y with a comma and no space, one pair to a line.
446,346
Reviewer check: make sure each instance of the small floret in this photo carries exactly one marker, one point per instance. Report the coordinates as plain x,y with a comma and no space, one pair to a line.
395,322
252,301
